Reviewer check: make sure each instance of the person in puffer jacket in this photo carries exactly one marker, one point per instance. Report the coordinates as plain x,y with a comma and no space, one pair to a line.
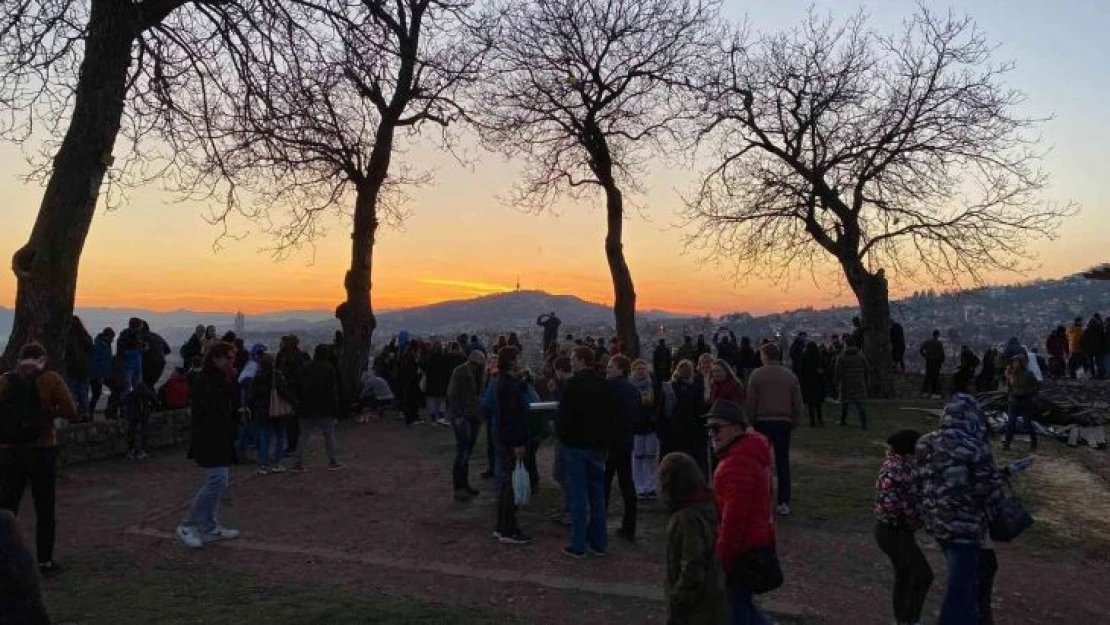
742,485
897,520
960,488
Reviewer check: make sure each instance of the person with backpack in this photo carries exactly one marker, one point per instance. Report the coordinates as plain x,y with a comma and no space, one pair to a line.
31,398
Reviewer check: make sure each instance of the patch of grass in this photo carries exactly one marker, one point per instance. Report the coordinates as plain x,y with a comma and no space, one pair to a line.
90,593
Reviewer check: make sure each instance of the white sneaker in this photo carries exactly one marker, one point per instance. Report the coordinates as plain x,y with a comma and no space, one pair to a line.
220,533
188,536
783,509
442,421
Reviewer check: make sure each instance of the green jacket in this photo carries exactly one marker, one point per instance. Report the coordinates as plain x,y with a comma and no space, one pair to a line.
695,581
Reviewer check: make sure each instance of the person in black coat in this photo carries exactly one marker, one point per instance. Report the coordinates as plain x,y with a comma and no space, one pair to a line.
811,375
898,346
627,410
684,429
661,361
409,374
318,390
20,590
437,372
211,446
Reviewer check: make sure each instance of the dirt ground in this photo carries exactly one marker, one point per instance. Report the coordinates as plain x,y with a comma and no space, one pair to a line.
387,525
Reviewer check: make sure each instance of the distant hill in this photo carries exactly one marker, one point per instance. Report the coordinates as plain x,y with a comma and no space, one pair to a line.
492,312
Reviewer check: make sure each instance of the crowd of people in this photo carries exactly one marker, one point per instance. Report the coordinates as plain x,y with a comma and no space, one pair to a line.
705,426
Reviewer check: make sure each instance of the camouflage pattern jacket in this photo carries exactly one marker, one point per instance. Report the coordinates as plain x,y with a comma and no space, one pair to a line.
959,483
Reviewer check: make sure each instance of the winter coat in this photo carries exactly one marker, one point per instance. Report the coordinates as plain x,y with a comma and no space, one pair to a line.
684,429
79,356
1024,387
318,390
774,394
661,362
258,394
897,342
959,483
1057,345
1093,338
686,351
932,351
649,409
1075,339
191,349
626,405
55,402
742,485
896,498
695,585
462,392
797,348
586,412
728,389
211,402
851,375
102,357
437,374
506,402
811,375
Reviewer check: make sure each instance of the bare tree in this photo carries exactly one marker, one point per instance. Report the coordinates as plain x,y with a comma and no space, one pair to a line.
904,153
310,119
585,90
85,71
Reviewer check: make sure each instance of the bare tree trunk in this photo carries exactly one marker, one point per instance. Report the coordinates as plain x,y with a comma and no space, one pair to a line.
873,295
46,267
356,314
624,292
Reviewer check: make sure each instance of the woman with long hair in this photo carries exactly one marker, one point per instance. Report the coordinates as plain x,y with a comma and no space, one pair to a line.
723,384
645,442
685,427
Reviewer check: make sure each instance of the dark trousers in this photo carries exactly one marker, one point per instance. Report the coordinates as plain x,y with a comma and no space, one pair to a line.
530,451
860,411
912,574
1075,362
988,566
778,432
619,463
932,378
961,601
815,413
20,466
1019,408
292,433
97,387
466,435
506,503
491,449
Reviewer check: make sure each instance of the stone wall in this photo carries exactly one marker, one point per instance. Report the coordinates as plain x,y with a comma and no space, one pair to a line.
84,442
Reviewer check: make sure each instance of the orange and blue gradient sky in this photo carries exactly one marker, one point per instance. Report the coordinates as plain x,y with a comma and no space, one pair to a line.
462,241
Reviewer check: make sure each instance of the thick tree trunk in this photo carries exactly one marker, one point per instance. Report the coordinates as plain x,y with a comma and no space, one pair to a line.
873,295
46,267
624,292
356,314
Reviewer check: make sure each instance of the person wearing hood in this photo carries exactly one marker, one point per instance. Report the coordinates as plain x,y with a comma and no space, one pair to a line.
102,365
742,487
897,520
960,489
31,400
466,419
695,584
774,405
851,379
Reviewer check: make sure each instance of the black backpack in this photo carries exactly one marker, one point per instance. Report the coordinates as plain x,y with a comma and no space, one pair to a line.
21,417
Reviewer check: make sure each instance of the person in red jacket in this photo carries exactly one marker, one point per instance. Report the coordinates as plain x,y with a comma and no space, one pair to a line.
742,485
723,384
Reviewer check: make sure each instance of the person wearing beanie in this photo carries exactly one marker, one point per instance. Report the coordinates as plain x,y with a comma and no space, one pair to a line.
896,511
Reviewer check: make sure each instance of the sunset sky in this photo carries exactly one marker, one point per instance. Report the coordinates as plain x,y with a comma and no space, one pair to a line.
463,241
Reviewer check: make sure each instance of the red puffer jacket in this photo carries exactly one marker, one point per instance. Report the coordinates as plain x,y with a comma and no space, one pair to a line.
742,485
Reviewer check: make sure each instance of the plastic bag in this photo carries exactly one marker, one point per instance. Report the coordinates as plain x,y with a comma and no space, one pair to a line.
522,484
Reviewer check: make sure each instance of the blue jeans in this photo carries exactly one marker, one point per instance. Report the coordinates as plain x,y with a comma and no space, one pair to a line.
585,483
80,391
466,435
268,434
778,432
961,603
204,512
741,604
